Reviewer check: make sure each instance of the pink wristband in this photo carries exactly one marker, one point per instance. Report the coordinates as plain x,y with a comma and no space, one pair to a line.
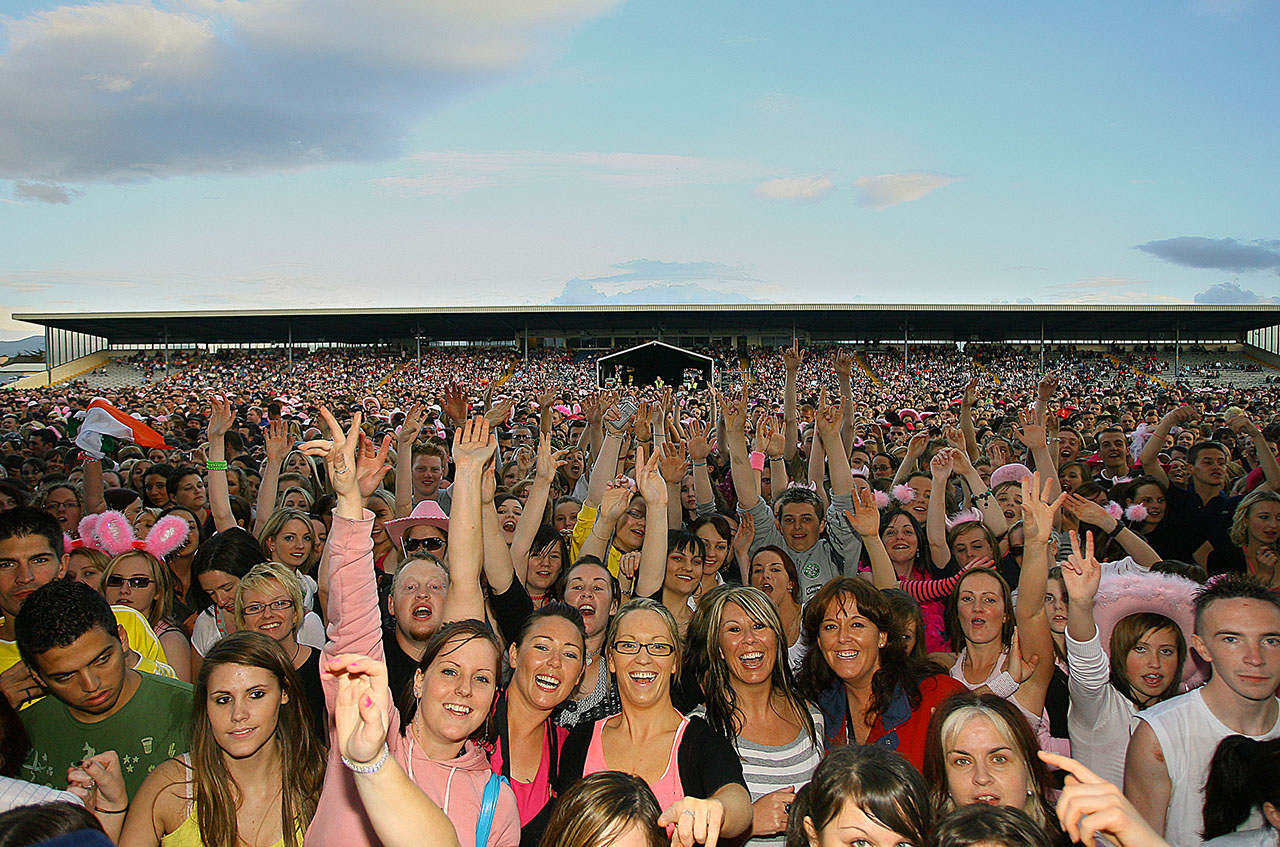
757,461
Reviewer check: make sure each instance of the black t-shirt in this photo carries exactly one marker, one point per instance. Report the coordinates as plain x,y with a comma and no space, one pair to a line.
400,665
707,761
313,692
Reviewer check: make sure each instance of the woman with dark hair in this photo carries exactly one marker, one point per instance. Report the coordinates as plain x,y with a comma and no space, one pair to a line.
735,654
155,486
981,750
612,808
33,825
255,767
859,675
773,571
717,535
12,495
547,663
548,554
589,587
867,794
1126,644
181,561
1243,790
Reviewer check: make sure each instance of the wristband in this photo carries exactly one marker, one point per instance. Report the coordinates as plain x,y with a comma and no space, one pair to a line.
776,459
1120,527
215,465
89,457
112,811
757,461
701,464
1003,686
370,768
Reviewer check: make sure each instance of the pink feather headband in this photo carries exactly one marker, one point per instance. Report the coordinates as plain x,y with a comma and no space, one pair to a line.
115,536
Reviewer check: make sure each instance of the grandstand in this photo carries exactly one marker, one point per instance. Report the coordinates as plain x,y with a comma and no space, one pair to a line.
1248,336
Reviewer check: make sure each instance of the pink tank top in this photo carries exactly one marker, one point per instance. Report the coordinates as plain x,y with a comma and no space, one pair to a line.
668,789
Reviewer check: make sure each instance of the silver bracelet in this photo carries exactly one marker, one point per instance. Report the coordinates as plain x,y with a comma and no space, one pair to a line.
1003,686
373,768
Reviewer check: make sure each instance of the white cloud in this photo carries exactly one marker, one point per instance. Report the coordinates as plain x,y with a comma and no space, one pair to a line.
1100,282
885,190
44,192
451,172
136,90
794,188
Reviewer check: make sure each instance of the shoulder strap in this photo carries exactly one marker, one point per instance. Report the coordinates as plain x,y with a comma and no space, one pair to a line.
488,808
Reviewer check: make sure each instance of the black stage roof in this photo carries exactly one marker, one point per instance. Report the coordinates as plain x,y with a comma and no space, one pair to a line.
820,321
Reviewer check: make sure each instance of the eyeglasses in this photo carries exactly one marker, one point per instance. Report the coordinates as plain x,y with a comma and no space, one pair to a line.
255,609
51,506
431,543
635,514
657,649
134,581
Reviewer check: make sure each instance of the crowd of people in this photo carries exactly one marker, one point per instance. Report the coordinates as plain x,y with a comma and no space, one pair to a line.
366,598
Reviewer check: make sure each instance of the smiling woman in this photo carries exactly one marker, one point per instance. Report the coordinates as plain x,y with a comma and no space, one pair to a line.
237,784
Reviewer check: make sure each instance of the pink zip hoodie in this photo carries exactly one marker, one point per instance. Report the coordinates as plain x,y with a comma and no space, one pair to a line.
456,786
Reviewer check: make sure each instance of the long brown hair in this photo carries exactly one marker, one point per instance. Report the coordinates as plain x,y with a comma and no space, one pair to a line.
301,754
956,631
711,669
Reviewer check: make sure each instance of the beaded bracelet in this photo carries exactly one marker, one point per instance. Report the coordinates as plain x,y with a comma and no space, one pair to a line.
215,465
1003,686
372,768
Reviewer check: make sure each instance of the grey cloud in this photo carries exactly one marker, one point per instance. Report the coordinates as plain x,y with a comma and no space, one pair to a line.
1225,254
44,192
1231,294
664,283
129,91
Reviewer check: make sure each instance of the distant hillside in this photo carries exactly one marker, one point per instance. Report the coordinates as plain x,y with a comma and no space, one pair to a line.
32,343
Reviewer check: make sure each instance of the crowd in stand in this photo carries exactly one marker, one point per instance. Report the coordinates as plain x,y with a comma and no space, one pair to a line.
371,597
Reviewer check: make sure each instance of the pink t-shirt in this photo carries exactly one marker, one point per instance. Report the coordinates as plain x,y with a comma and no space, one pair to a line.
668,789
531,797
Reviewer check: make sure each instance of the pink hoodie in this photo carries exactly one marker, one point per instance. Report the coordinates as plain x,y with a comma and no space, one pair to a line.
456,786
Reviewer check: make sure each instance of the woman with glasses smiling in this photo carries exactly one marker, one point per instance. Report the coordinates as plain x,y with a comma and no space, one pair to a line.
693,770
269,600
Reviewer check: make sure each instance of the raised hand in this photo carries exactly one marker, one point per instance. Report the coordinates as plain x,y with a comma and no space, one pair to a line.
548,462
617,497
591,409
500,411
412,426
1020,667
1242,424
917,445
629,566
844,362
371,464
339,453
548,396
361,707
829,418
955,437
648,479
1081,573
473,443
1047,387
793,356
942,463
220,416
769,437
672,462
642,423
455,401
277,441
1267,561
1088,511
734,410
1037,510
1028,432
865,517
970,392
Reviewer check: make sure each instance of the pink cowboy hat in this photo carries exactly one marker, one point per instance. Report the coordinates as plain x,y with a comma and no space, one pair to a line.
427,512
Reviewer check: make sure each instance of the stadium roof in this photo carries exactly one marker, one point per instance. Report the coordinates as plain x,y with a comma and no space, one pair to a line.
821,321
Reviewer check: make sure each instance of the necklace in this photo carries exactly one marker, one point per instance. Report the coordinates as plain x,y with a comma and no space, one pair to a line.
591,657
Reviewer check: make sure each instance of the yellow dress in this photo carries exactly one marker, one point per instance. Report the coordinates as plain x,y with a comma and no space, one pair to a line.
188,833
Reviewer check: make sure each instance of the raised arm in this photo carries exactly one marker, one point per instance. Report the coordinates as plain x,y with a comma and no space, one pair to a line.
1150,455
405,439
915,449
936,519
769,441
1032,435
830,419
95,501
1242,425
672,463
277,440
817,470
617,498
980,494
653,552
1082,575
1134,544
735,424
792,358
699,449
844,377
534,508
473,445
865,520
605,467
967,400
498,565
1038,510
220,420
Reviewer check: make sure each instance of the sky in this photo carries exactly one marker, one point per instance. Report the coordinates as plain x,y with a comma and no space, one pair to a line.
226,154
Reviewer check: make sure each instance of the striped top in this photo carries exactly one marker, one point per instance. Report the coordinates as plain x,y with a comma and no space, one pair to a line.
768,768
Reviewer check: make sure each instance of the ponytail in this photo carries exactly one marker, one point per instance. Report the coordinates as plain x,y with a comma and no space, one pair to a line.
1244,773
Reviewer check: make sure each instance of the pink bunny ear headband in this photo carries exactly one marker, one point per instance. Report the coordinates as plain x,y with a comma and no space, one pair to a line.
114,535
903,493
87,540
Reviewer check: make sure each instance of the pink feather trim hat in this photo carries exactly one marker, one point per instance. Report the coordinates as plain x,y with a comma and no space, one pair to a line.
1121,595
427,512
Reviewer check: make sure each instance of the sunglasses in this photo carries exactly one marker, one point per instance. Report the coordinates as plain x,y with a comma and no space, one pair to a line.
431,543
134,581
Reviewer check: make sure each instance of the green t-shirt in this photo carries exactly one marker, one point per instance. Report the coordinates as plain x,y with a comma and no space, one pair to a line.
151,727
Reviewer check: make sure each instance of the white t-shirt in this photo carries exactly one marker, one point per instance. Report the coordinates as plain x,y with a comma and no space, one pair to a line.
209,629
1189,734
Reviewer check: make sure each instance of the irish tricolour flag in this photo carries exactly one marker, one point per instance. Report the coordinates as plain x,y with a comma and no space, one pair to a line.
101,419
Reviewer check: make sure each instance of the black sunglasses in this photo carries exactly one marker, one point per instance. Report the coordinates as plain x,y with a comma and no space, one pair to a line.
431,543
134,581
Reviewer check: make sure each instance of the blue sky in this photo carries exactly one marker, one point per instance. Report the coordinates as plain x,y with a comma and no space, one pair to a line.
200,154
